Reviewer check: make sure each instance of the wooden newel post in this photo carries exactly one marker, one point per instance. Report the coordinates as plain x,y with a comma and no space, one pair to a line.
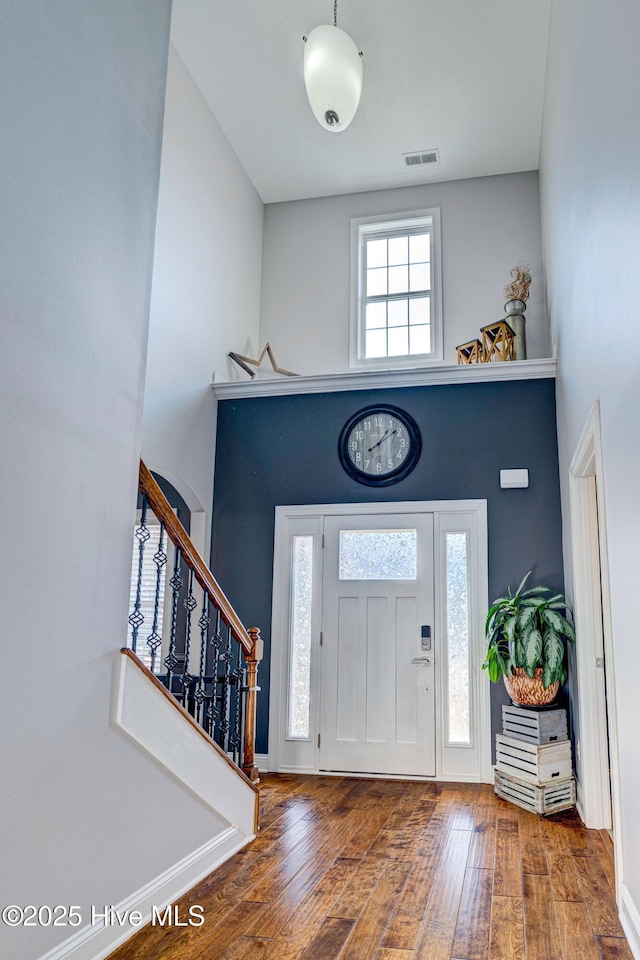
253,659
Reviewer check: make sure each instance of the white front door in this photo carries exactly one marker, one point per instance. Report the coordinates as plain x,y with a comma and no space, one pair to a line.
377,678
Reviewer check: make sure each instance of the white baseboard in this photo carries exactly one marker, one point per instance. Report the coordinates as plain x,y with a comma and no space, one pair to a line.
97,942
262,762
315,772
630,920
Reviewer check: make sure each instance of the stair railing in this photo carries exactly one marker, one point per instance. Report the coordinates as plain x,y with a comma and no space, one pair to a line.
213,676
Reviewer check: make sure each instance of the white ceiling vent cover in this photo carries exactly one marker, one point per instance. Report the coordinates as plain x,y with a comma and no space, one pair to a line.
421,158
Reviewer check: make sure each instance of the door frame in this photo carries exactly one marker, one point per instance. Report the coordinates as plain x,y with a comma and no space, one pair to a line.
599,773
286,518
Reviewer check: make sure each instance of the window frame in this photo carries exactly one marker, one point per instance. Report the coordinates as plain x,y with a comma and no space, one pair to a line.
378,227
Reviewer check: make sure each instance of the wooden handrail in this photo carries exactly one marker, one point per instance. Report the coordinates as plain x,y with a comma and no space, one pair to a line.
179,537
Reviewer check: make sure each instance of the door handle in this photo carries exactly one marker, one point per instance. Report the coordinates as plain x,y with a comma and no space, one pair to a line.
423,660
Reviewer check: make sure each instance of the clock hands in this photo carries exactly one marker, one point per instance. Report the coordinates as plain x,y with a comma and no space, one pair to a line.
388,434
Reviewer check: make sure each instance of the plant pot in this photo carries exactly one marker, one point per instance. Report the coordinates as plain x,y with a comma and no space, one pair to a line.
528,691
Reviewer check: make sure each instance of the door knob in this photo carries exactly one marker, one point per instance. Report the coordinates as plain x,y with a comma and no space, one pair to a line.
423,660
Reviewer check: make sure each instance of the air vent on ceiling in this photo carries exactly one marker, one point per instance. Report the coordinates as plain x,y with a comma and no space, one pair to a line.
421,158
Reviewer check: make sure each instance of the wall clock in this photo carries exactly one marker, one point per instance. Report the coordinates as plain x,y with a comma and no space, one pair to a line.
379,445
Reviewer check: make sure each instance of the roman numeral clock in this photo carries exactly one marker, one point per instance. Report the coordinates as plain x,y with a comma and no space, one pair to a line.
379,445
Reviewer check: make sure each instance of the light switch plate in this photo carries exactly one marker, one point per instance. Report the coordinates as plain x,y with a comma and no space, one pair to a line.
510,479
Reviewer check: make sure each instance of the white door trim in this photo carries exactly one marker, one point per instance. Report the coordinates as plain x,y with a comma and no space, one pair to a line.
284,515
594,636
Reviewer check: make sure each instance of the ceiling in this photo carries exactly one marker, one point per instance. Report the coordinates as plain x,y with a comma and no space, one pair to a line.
463,76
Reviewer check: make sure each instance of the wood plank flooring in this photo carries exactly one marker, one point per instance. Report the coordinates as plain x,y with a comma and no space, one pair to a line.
349,869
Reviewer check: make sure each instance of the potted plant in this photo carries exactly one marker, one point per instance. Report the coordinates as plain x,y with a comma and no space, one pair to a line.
526,633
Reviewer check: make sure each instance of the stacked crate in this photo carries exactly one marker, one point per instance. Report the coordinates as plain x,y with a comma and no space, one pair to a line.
533,760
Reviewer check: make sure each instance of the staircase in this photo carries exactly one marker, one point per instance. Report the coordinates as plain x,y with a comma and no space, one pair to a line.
187,641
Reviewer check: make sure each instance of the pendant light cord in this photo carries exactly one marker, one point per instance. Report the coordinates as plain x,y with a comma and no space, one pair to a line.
335,13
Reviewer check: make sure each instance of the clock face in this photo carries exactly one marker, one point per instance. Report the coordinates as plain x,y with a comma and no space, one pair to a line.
379,445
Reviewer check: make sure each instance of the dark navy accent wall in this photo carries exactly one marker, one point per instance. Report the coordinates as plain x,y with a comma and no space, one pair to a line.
283,450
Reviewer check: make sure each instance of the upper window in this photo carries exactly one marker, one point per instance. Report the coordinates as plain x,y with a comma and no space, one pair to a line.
396,312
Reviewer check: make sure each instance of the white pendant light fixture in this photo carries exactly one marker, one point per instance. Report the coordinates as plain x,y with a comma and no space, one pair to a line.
332,75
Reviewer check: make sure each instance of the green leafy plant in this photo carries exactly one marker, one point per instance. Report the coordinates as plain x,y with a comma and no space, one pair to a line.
527,629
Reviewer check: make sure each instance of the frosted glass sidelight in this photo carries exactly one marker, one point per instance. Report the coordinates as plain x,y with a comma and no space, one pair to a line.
378,555
300,639
458,638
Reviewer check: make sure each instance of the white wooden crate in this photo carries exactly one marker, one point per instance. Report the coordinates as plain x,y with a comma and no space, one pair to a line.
535,726
536,764
542,798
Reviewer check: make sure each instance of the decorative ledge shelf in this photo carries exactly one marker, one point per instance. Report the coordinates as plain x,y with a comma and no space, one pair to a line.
386,379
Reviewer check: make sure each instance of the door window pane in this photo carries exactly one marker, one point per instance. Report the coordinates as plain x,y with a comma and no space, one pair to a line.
378,555
458,638
300,641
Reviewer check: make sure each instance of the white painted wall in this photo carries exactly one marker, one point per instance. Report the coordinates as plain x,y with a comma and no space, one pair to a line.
488,225
86,816
590,191
206,288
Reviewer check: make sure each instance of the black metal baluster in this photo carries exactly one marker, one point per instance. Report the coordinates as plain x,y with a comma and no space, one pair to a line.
171,660
238,676
200,696
213,714
136,617
154,640
242,700
189,604
225,705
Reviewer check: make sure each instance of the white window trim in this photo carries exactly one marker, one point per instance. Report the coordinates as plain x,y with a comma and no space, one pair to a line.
360,227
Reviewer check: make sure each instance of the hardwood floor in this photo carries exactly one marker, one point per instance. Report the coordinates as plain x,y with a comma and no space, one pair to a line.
389,870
